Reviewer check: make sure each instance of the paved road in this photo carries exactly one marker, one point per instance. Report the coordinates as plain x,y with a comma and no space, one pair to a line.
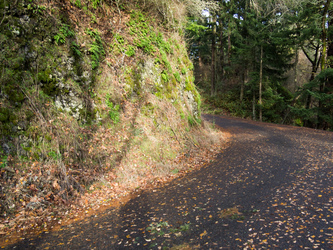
271,188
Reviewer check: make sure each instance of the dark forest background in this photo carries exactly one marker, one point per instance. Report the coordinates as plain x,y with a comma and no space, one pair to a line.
266,60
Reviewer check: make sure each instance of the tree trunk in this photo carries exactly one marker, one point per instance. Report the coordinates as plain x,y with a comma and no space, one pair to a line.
247,66
330,40
260,83
308,101
295,69
213,66
229,45
254,106
323,57
315,64
330,47
244,80
324,37
307,123
229,33
221,73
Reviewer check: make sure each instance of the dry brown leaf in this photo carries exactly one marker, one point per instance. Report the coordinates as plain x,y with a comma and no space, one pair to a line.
55,185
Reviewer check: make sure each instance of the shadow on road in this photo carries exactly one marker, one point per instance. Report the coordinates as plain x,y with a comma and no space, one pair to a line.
276,179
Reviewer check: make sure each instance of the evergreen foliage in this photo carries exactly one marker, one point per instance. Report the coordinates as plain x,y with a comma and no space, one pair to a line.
320,115
258,42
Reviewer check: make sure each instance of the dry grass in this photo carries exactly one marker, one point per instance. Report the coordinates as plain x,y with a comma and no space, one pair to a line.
160,140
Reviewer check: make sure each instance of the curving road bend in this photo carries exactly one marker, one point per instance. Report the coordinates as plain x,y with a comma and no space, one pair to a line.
271,188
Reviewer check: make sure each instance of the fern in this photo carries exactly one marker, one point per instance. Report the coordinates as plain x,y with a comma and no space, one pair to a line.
177,76
114,110
96,51
78,4
96,48
59,39
64,32
96,3
76,49
130,51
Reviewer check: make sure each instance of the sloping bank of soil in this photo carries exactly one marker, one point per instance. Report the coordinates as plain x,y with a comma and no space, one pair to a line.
107,195
97,99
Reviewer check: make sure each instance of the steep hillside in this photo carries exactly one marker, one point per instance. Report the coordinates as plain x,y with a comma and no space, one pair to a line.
97,99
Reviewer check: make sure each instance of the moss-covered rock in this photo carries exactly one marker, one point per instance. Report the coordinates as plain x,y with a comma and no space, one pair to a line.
4,114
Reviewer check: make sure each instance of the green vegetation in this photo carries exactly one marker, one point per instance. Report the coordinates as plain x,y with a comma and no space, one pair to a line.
114,110
92,90
130,51
3,161
78,3
76,49
162,228
248,64
36,9
64,32
95,3
145,37
96,48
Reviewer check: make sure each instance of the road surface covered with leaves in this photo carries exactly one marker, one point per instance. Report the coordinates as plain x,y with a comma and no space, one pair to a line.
270,188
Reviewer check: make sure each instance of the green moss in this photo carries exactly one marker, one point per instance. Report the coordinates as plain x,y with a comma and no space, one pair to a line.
166,61
2,5
130,51
29,115
4,114
45,76
188,85
177,76
9,74
191,67
49,84
16,63
6,129
191,121
148,109
165,77
174,81
133,81
14,94
113,110
158,94
13,118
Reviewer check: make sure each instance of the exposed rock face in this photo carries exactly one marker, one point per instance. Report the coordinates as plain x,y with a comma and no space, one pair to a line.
89,92
189,98
46,72
150,74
